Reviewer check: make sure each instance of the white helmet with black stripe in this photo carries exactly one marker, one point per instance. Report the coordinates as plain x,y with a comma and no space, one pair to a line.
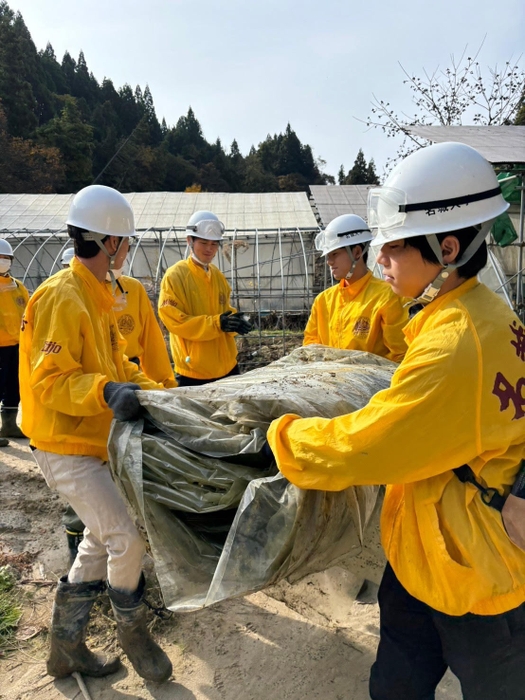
443,188
344,231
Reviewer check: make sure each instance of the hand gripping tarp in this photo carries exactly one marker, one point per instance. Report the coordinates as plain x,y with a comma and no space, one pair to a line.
220,520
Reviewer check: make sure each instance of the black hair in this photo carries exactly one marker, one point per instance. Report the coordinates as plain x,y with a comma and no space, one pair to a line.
83,248
465,236
365,254
200,238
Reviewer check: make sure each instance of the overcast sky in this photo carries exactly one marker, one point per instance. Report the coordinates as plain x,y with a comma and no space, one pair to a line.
248,68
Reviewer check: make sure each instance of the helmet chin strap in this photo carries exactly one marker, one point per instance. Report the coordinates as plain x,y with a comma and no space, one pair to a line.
365,247
432,290
97,237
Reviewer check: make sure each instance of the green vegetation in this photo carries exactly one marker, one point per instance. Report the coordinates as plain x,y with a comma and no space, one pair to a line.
10,610
362,173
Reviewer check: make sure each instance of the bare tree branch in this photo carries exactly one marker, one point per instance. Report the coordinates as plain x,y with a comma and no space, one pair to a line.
460,93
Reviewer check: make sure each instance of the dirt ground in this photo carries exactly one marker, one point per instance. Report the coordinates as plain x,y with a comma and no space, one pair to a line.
301,642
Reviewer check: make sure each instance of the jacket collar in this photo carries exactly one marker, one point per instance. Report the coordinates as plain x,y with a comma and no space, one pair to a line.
97,290
352,289
198,269
415,325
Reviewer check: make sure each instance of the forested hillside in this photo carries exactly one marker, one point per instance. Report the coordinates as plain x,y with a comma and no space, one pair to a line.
60,129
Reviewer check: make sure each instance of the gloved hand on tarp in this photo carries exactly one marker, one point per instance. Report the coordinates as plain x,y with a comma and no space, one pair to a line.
266,453
122,399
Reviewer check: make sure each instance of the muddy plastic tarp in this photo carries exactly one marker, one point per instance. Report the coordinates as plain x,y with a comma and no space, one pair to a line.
220,520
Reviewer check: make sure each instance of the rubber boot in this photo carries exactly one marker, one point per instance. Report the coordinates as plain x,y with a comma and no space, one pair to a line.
4,442
69,653
74,532
146,657
73,540
9,427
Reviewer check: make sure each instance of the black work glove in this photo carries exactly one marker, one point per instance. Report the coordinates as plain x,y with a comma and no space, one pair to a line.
122,399
230,322
266,453
245,325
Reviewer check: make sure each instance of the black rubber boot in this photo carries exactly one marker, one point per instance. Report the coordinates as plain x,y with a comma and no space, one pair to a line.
73,540
9,427
146,657
69,653
4,442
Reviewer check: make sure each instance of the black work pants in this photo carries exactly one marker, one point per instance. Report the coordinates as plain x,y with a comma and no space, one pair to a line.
417,645
9,387
190,381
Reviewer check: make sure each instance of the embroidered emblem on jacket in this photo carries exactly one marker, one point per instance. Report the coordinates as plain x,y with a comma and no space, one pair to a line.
362,326
126,324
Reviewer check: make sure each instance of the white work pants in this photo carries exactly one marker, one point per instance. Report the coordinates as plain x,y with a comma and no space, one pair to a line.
112,547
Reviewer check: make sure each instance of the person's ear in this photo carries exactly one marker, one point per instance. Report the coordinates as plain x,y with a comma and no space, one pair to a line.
112,244
450,249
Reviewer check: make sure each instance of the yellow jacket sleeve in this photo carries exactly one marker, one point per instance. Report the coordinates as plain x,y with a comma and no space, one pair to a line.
311,332
395,318
389,440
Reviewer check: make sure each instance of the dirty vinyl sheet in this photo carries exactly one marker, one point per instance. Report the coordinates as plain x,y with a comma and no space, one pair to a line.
220,519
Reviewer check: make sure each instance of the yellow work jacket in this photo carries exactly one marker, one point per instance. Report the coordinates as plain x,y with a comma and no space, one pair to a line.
13,300
458,397
190,304
70,348
140,329
362,315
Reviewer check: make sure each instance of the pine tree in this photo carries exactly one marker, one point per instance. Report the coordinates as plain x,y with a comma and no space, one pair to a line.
358,175
151,117
361,172
371,173
74,139
16,91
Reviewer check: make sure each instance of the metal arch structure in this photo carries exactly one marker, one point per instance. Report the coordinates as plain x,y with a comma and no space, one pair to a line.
269,270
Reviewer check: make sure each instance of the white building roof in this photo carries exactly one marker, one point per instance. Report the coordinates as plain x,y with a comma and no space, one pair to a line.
241,211
498,144
334,200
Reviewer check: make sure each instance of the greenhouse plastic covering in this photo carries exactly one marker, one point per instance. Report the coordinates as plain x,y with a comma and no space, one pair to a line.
219,518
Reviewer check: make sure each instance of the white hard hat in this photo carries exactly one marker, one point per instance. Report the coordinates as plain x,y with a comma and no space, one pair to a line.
205,224
102,210
67,256
441,188
341,232
5,247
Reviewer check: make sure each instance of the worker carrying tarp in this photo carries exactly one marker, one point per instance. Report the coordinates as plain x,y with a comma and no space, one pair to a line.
13,300
361,312
74,377
145,347
220,520
454,588
194,305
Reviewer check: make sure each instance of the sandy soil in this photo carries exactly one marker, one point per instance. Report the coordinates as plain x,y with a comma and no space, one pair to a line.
301,642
